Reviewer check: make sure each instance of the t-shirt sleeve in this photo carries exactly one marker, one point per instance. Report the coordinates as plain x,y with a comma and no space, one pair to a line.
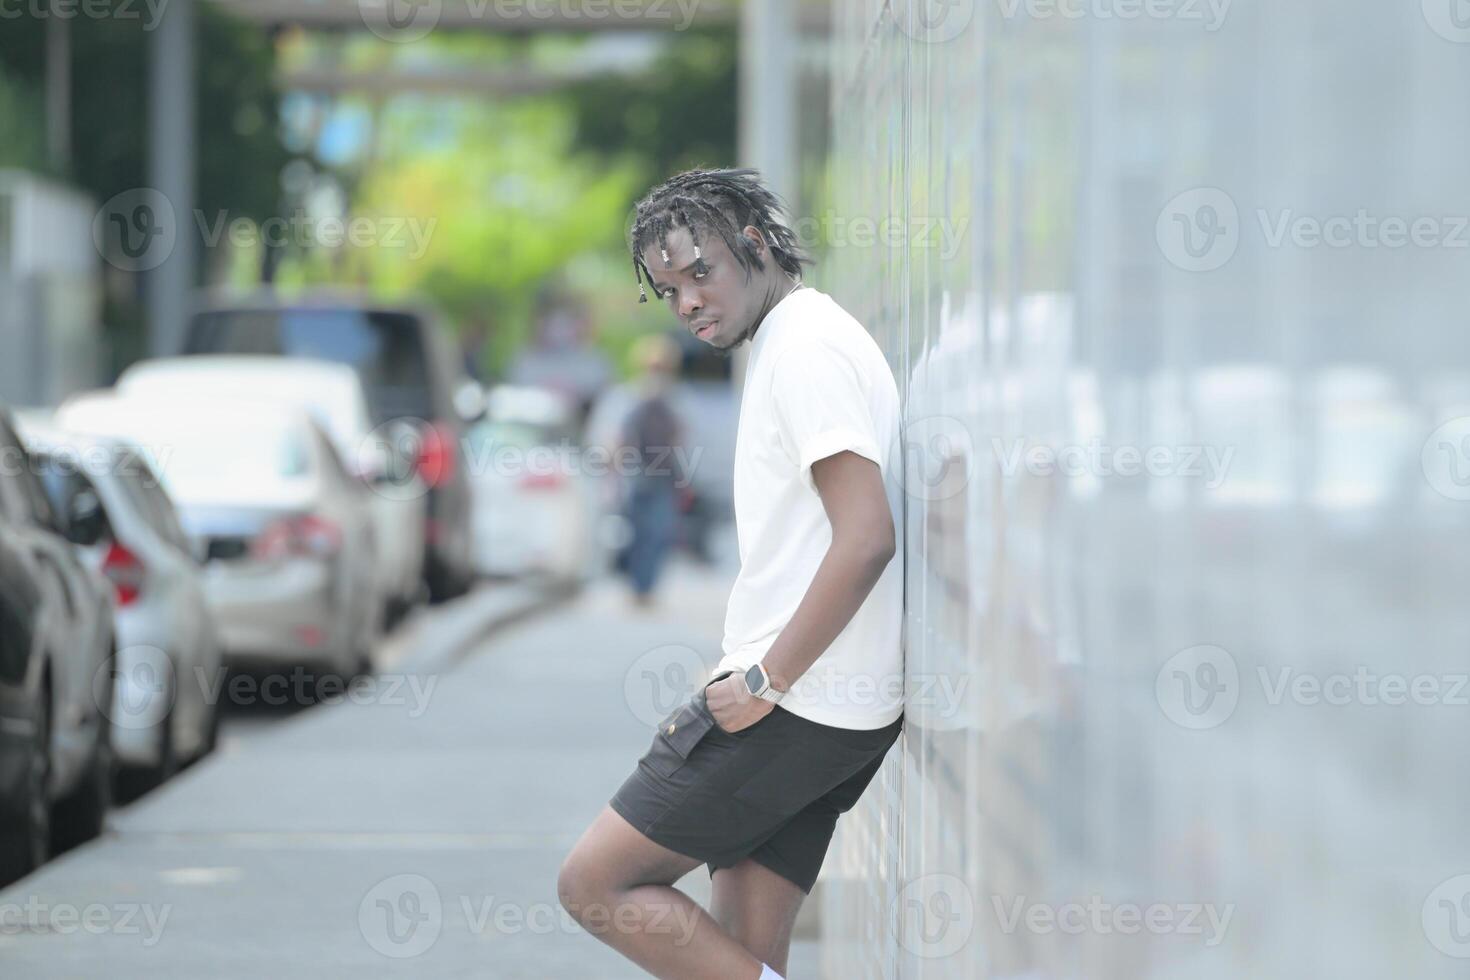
821,406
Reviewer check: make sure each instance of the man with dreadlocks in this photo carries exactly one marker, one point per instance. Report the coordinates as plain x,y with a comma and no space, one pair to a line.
750,775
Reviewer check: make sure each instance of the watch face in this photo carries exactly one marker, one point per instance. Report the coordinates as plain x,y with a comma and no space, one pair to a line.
754,681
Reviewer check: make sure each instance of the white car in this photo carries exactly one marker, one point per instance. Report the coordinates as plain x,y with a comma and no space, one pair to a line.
164,711
286,533
535,510
334,395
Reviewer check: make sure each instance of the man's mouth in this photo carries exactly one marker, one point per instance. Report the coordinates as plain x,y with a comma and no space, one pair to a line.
705,327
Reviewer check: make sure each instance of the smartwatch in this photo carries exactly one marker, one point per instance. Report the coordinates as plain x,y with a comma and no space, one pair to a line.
758,682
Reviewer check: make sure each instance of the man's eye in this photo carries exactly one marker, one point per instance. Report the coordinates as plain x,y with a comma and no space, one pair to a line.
701,275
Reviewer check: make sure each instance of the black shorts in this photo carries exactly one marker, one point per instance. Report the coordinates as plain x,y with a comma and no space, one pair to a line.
771,791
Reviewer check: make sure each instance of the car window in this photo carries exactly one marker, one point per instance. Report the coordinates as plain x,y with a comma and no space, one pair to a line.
386,349
151,502
60,483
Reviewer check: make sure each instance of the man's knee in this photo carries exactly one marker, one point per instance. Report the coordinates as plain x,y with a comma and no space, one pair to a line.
578,887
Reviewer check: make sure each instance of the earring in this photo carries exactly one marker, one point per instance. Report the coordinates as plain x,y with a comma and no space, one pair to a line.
642,293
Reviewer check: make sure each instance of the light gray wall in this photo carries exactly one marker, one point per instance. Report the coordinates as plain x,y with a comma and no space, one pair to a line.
1095,657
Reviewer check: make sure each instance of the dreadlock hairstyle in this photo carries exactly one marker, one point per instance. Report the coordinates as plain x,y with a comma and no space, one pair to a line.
722,201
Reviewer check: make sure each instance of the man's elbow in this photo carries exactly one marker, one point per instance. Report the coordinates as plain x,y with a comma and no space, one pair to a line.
874,546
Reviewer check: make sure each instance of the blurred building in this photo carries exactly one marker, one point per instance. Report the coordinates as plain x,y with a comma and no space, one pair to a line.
1098,251
50,291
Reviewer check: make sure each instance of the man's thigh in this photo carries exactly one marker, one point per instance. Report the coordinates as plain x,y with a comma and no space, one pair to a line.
613,855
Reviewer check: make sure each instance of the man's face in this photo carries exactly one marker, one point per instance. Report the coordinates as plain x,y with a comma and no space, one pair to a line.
718,307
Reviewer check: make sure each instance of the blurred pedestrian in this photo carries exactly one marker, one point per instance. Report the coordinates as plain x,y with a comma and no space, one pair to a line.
654,480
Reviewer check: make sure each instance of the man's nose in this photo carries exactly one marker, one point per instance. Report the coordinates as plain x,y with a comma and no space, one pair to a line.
689,302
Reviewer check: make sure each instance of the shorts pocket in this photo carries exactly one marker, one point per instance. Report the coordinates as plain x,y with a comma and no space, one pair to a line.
676,737
801,772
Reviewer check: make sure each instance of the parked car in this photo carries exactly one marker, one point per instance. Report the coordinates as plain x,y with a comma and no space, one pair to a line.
58,673
285,533
412,377
536,510
168,656
334,395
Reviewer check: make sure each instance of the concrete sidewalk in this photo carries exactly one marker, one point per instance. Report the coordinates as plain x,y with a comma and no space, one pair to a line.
417,835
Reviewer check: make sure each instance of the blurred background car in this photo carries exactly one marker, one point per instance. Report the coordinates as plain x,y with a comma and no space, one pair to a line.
535,509
412,375
168,654
62,685
285,532
333,394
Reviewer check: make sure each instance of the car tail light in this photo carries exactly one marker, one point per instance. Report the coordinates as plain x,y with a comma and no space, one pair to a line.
436,459
542,481
123,569
308,535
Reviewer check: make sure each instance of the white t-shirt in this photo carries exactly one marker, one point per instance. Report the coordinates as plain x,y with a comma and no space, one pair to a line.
816,383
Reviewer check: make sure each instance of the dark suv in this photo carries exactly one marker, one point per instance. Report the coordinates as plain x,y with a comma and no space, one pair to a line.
413,378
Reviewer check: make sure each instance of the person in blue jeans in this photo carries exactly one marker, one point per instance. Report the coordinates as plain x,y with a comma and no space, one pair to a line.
652,490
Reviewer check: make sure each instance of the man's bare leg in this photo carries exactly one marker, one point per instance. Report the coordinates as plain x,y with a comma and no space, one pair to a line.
758,907
618,885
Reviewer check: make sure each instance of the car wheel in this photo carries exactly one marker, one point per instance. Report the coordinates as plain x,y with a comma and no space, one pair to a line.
82,815
146,778
25,833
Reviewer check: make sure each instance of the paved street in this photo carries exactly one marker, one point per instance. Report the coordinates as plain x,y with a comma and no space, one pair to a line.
417,834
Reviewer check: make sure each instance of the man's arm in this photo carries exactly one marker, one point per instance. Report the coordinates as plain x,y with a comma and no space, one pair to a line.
863,543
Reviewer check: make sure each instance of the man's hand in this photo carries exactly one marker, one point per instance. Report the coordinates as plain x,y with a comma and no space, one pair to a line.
733,706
